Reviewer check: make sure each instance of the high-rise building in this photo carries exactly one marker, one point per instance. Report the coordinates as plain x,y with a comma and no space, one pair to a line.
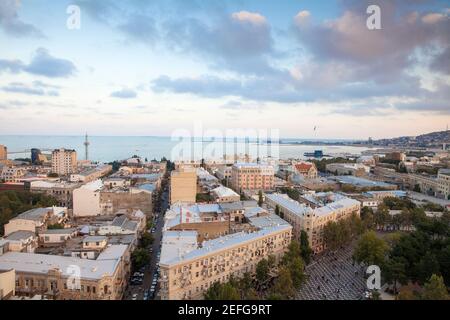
64,162
183,185
3,152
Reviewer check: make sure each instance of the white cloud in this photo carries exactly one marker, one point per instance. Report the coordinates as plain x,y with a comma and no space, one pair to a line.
245,16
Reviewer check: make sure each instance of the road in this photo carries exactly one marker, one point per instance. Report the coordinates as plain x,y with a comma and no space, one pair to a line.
150,269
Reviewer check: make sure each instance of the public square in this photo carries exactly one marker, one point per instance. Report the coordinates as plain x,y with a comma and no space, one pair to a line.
333,276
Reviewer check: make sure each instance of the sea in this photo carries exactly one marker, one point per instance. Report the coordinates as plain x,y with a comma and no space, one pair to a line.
105,149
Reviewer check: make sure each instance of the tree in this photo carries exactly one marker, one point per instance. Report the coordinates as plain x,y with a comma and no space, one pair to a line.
394,271
305,249
262,271
147,239
140,257
283,286
381,216
330,235
296,267
260,198
55,226
370,249
407,295
417,188
277,210
435,289
222,291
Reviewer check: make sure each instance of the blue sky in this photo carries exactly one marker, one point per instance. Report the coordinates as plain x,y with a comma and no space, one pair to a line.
151,67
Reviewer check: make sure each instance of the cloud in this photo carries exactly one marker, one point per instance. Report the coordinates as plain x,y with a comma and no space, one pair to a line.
124,94
11,23
42,64
37,88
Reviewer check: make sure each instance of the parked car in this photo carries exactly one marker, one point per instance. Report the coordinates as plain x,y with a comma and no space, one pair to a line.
134,297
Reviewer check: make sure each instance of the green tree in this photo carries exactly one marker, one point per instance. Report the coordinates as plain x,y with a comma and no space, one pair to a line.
435,289
370,249
260,198
394,271
140,257
305,249
222,291
262,271
277,210
381,216
55,226
147,239
283,285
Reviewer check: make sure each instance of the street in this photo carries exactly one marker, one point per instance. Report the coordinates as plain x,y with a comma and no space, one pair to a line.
150,269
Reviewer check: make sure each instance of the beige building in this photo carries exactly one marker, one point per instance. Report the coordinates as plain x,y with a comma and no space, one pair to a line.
224,194
183,185
12,174
342,169
252,176
307,170
22,241
188,270
7,284
91,174
35,220
3,152
311,216
69,278
435,186
64,162
61,191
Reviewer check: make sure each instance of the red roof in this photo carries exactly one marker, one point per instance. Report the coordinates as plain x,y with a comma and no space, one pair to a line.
303,166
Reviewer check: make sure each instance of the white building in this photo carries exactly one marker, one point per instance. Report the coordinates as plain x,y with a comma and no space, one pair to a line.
86,200
64,162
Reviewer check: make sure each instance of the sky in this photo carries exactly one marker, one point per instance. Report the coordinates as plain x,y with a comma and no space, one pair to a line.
310,69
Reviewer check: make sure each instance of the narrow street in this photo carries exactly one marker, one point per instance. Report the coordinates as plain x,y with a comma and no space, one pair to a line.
150,269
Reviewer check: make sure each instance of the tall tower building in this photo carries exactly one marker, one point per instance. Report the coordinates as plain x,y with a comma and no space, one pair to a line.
86,147
64,162
3,152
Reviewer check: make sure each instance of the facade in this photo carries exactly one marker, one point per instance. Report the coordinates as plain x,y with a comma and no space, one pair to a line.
312,215
354,169
7,284
187,270
435,186
56,236
12,174
35,220
101,279
252,176
22,241
3,152
91,174
183,185
307,170
223,194
86,200
64,162
61,191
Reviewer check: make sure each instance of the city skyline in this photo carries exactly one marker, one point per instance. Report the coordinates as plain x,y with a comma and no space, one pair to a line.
312,70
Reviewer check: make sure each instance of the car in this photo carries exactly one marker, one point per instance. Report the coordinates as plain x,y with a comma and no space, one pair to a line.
146,295
134,297
153,230
142,270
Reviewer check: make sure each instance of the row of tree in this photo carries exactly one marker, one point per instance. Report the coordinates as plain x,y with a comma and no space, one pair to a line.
410,257
272,281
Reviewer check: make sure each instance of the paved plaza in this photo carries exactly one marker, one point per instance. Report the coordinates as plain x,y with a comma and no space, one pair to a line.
333,276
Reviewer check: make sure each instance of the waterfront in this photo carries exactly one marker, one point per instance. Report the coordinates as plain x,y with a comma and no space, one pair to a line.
110,148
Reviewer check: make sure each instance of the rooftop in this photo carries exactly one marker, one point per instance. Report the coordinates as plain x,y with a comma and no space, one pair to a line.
20,235
59,231
42,264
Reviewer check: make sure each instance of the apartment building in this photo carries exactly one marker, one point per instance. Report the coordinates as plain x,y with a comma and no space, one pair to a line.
438,186
61,191
35,220
64,161
53,276
307,170
252,176
183,185
91,174
188,270
354,169
224,194
312,215
12,174
3,152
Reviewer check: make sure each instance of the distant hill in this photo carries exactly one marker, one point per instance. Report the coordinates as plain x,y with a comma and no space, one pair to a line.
433,139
